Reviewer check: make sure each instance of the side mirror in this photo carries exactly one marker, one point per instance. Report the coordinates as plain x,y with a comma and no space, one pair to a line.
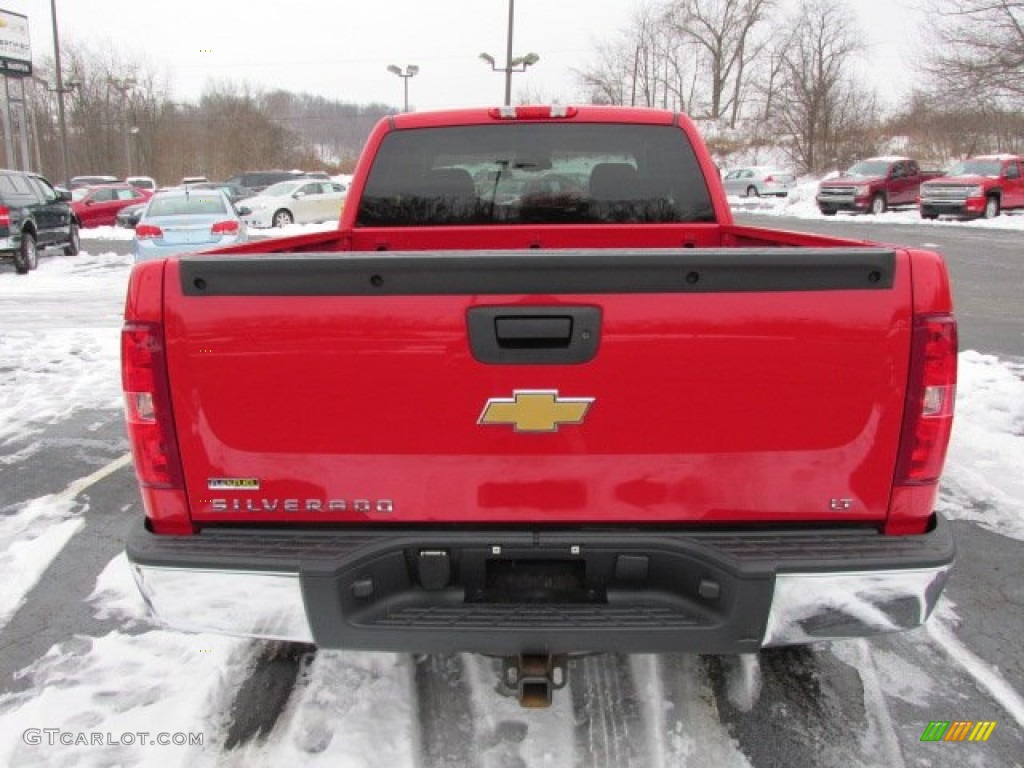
63,195
243,210
298,195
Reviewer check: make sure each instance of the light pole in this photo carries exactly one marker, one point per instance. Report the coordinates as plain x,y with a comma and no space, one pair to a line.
60,96
411,70
124,85
518,64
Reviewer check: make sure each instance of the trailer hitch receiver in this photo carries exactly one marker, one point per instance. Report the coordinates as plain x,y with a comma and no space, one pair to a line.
533,677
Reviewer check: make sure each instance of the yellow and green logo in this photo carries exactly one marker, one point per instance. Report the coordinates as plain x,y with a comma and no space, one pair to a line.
958,730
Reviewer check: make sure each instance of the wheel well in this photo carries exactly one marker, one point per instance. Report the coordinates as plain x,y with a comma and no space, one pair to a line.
996,193
29,229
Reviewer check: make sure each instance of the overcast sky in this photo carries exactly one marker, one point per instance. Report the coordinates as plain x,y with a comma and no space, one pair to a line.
341,48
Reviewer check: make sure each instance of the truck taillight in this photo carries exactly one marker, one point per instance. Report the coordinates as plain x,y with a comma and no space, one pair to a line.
148,406
928,419
5,216
227,227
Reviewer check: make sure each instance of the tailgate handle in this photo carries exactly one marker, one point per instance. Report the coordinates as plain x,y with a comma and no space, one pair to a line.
517,335
540,332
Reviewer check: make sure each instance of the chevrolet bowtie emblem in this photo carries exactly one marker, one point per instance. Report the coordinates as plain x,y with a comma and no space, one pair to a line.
535,410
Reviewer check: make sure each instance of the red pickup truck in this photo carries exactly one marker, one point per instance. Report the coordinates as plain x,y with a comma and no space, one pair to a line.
980,186
873,186
537,396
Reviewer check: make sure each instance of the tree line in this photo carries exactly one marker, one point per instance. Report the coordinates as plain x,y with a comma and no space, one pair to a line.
121,119
758,79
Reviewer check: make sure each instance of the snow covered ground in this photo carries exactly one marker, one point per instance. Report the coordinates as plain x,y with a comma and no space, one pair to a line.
352,709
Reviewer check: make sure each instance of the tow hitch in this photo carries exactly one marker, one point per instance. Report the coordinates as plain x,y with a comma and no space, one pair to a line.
533,677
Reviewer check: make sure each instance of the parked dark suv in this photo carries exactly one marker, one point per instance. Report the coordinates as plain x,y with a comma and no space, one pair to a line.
34,215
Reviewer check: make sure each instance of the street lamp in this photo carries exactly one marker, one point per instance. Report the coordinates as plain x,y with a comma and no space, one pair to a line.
124,85
411,70
518,64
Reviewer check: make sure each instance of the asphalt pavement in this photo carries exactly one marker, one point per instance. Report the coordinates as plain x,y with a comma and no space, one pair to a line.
986,268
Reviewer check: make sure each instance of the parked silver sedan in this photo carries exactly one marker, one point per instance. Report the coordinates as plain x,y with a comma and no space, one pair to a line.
187,220
756,181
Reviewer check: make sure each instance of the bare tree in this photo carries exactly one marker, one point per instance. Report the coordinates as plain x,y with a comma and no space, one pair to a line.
941,129
725,31
822,111
648,65
627,68
977,49
606,80
110,112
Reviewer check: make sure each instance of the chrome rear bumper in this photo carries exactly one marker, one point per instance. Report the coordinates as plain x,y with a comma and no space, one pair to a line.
637,591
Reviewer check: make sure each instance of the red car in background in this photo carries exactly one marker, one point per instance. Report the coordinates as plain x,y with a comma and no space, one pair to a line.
98,205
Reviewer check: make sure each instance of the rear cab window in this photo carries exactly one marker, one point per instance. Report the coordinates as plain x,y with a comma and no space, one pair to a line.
536,173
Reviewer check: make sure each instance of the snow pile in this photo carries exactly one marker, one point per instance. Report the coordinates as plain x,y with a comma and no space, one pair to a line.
127,690
116,596
983,480
60,343
106,233
122,686
122,233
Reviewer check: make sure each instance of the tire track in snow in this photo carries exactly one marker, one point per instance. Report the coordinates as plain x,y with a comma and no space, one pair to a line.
876,708
681,712
810,710
447,728
610,728
348,708
263,695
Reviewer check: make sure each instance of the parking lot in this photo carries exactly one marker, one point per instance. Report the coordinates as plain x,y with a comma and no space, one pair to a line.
79,655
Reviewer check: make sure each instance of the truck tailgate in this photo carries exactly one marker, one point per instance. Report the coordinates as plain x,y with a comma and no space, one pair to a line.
688,385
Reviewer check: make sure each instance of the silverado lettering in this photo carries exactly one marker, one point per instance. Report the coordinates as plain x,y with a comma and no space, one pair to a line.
296,505
599,415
